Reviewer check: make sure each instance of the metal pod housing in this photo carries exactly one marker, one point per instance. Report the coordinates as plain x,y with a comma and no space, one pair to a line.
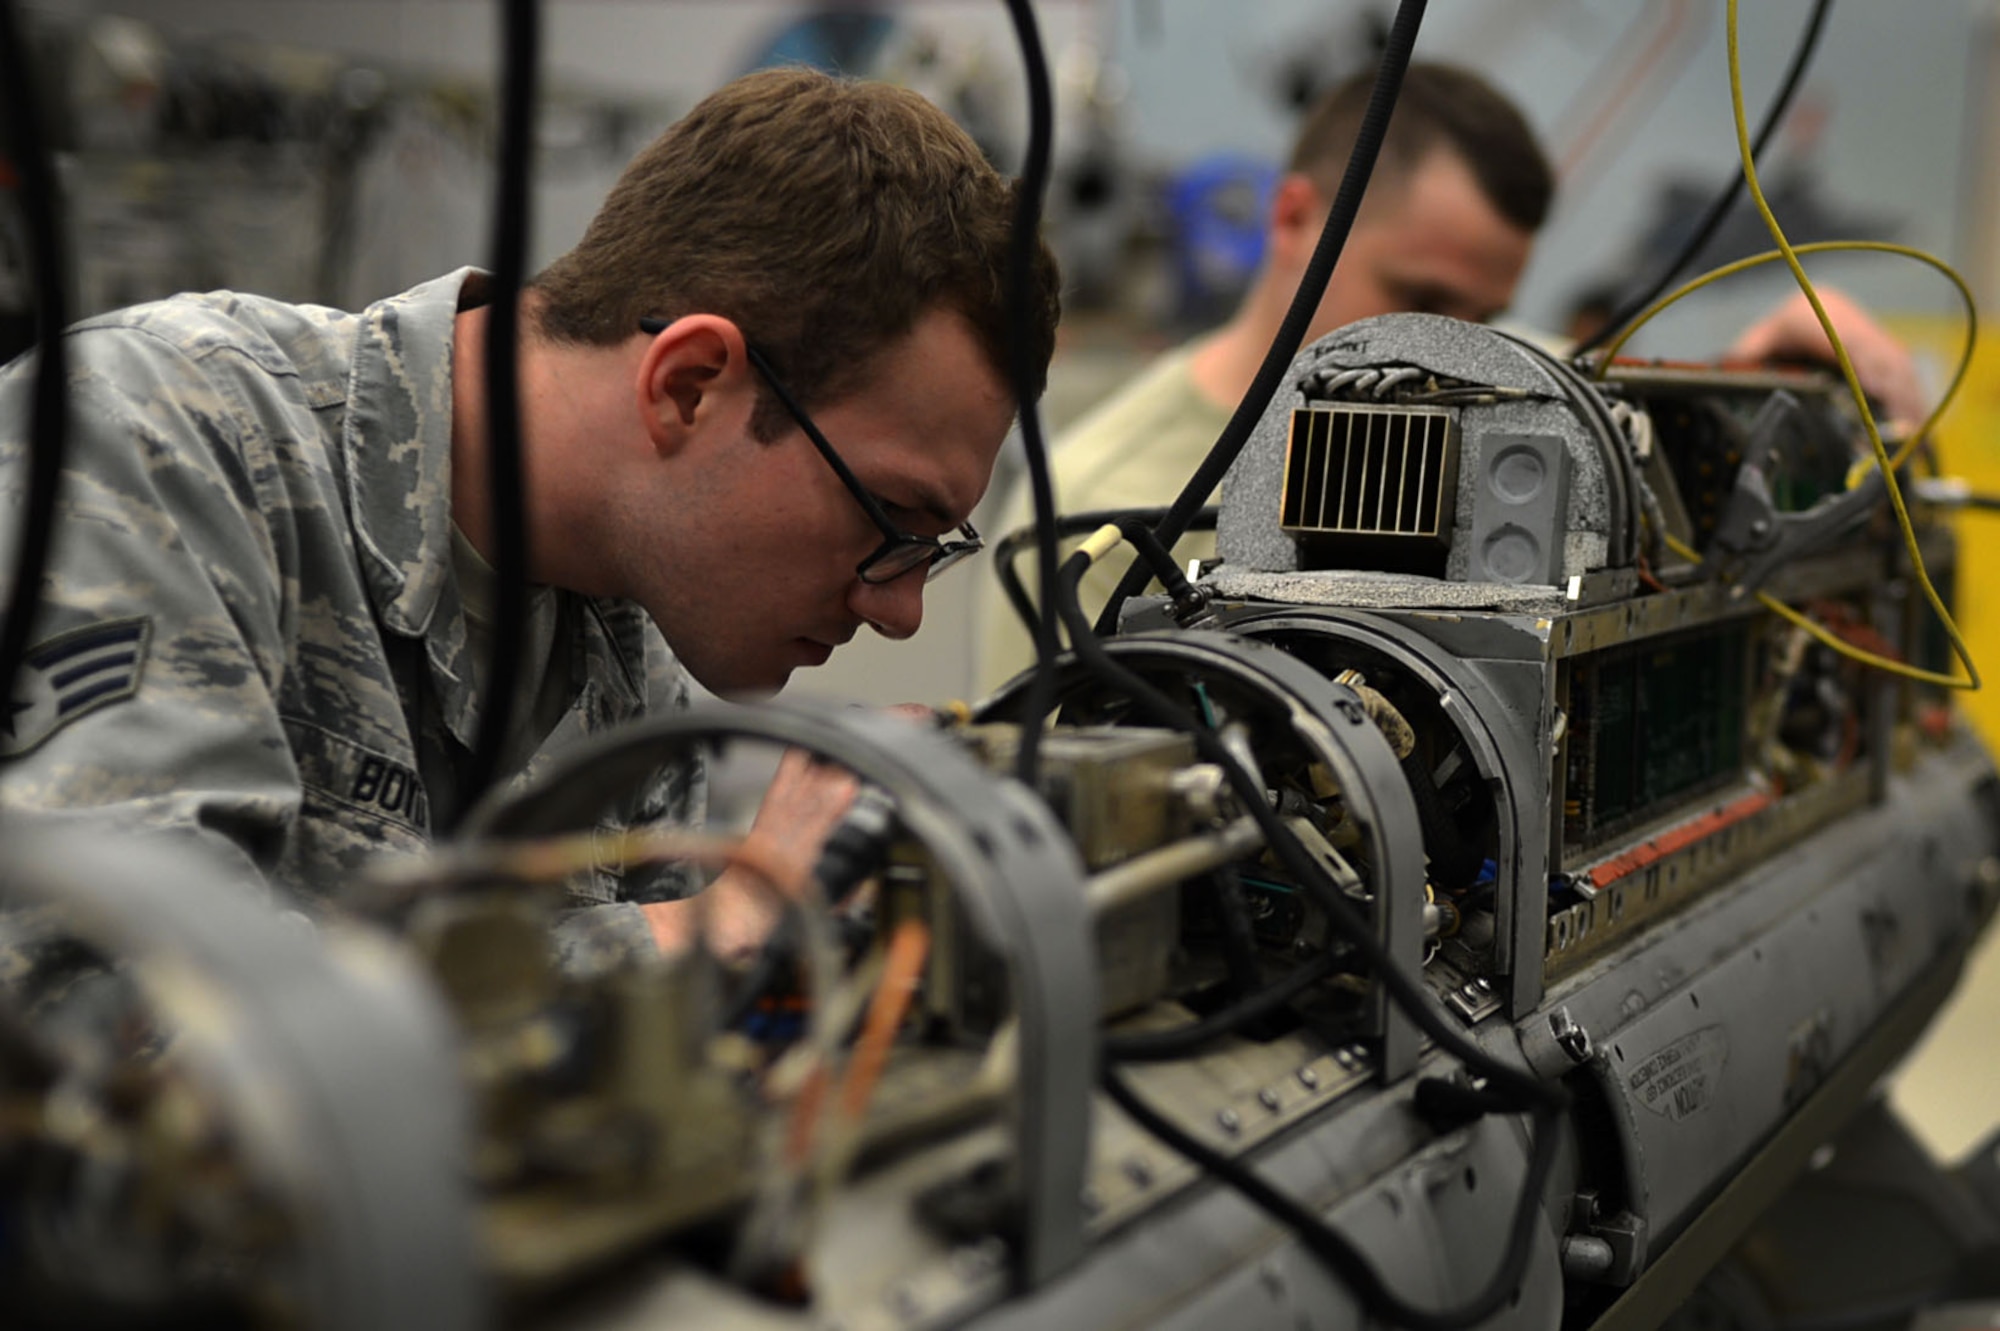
1432,457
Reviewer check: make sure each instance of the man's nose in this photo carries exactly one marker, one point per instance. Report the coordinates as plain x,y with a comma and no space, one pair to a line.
893,609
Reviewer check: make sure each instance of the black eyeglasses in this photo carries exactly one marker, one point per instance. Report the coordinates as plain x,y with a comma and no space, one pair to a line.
901,551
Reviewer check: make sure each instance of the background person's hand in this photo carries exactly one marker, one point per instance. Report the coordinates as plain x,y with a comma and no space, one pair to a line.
1887,371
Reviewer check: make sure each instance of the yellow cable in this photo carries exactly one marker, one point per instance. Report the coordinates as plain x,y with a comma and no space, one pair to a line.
1861,654
1826,635
1686,289
1882,458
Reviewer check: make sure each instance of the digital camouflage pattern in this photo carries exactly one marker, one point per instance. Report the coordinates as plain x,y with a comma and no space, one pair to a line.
253,573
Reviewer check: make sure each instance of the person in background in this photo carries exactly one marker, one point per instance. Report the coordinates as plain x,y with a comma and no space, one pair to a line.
1446,227
1448,224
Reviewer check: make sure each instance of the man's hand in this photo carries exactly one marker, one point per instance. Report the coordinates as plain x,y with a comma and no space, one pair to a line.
1885,367
803,805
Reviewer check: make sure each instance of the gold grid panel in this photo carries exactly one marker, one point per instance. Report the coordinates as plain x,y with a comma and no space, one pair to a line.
1370,470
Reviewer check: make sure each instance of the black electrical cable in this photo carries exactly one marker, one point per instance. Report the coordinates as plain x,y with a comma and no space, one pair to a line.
1305,301
1239,934
1711,221
852,853
48,265
1185,1041
1007,551
1455,861
1157,557
1023,252
509,525
1336,1253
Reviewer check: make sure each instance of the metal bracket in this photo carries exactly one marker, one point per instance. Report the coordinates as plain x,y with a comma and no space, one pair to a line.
1602,1249
1753,539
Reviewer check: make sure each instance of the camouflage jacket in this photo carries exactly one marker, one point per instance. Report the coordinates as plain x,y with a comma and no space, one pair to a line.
252,633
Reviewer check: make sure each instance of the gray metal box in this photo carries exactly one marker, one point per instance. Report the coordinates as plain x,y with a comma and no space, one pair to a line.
1520,504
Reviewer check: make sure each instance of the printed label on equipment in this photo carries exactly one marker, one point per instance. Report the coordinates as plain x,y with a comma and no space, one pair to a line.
1680,1080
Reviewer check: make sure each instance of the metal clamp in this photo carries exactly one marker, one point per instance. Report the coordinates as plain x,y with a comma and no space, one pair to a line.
1753,539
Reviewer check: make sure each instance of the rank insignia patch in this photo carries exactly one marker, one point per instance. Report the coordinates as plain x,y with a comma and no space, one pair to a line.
71,676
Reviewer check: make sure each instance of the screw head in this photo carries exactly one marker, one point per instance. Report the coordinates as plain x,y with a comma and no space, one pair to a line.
1268,1098
1308,1078
1570,1037
1227,1120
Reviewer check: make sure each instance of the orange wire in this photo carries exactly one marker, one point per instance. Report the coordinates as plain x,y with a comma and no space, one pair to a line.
902,968
901,972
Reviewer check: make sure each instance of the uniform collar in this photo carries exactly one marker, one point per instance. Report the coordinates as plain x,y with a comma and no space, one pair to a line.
396,446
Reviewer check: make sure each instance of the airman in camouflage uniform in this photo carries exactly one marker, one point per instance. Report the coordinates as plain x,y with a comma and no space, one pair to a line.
257,621
253,634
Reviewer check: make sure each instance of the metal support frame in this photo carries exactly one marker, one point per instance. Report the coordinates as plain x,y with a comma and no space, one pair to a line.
1329,718
343,1079
1504,745
1000,846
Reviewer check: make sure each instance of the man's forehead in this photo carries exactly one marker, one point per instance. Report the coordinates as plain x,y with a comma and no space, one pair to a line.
930,419
1445,223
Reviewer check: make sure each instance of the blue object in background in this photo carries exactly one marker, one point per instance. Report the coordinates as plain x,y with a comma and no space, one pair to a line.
1218,207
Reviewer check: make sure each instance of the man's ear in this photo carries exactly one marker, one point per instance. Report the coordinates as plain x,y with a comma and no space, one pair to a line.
694,375
1298,211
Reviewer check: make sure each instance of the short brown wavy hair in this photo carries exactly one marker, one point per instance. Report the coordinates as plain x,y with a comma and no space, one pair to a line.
822,215
1439,104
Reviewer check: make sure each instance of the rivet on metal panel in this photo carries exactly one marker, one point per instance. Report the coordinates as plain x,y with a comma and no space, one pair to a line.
1308,1078
1570,1037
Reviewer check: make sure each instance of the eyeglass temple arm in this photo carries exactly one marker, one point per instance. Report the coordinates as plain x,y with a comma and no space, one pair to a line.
650,324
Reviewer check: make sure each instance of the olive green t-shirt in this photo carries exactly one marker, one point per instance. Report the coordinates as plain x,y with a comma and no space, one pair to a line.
1136,449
